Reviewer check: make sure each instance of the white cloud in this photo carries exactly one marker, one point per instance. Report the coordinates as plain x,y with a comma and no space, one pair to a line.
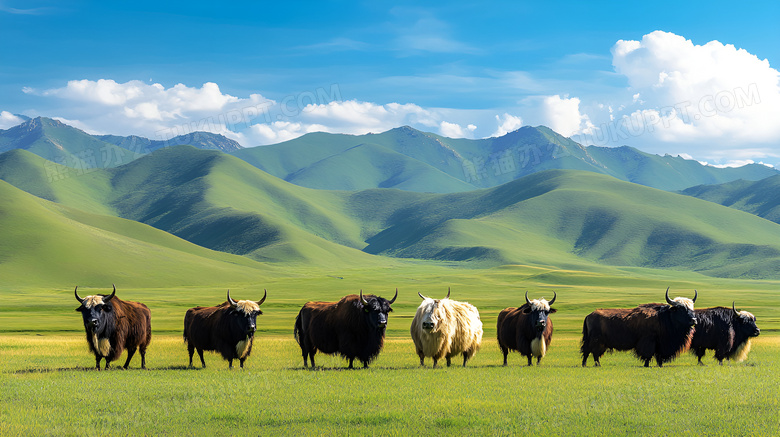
507,123
715,98
563,115
8,120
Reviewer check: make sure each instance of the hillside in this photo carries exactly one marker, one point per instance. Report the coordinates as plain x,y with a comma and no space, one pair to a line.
411,160
47,244
59,143
761,198
552,218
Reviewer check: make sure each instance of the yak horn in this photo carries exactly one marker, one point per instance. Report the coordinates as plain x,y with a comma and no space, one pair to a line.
448,292
113,293
669,301
76,292
526,298
555,296
695,295
394,297
232,302
421,296
362,300
733,307
260,302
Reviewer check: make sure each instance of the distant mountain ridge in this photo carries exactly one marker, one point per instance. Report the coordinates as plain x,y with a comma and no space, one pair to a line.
60,143
761,198
426,162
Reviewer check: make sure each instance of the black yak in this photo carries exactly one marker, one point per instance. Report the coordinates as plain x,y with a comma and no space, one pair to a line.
114,325
353,327
651,330
724,330
526,329
228,328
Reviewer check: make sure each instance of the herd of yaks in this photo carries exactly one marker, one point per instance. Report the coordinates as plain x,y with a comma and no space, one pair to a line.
354,328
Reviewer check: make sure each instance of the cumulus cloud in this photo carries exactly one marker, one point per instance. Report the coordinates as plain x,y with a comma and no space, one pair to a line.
8,120
563,115
714,98
507,123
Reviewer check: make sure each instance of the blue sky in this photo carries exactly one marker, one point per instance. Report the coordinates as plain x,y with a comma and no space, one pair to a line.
697,79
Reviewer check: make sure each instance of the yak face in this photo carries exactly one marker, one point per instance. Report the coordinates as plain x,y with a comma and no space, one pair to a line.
96,311
681,309
375,310
431,313
746,322
243,314
539,310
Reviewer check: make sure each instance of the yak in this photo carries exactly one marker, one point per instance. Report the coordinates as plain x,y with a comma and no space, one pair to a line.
526,329
446,328
353,327
113,325
724,330
228,328
654,330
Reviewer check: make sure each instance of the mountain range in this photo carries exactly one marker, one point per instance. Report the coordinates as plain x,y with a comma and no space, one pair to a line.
550,218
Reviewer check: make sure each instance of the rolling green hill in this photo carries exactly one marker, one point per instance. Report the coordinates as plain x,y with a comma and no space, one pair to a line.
444,165
48,244
562,218
761,198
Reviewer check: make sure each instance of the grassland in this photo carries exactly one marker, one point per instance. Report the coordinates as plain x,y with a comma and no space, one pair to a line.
48,388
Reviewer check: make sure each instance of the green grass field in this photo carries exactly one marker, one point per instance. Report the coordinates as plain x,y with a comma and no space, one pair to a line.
50,389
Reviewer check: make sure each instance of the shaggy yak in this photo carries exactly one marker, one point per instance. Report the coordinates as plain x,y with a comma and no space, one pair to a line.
724,330
228,328
114,325
445,328
353,327
651,330
526,329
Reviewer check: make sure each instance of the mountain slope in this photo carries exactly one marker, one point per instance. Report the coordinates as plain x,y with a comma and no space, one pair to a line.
59,143
201,140
484,163
761,198
48,244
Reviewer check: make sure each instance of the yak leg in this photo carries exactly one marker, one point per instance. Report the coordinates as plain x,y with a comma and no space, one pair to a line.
97,361
647,362
365,364
505,351
448,360
435,362
130,353
230,363
241,360
465,358
422,357
530,357
350,363
191,350
596,362
142,351
202,361
659,361
311,358
585,359
538,359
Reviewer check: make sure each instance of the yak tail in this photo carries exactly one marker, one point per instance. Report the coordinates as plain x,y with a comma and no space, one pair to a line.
584,344
298,328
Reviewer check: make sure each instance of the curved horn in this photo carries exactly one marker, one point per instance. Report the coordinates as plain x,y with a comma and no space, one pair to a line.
448,292
421,296
555,296
695,295
669,301
362,300
394,297
76,292
260,302
526,298
733,307
113,293
230,299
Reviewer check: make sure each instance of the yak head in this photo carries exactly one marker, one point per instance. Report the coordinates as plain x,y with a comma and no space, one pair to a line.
539,310
96,311
682,309
244,313
746,322
431,312
376,309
